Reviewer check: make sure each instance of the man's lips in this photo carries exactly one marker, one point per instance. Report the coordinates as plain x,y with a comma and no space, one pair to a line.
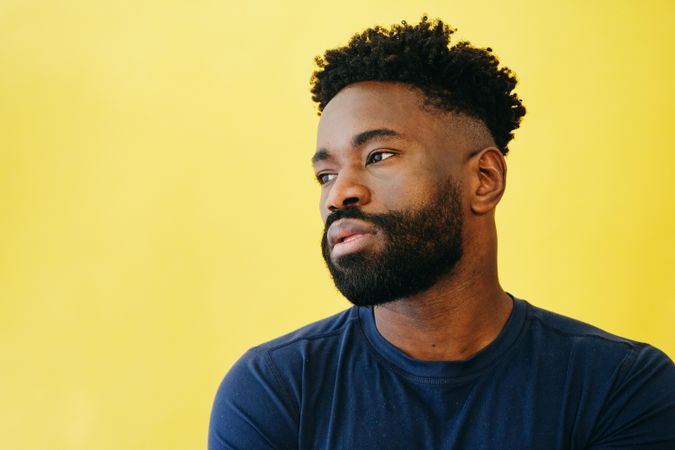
345,231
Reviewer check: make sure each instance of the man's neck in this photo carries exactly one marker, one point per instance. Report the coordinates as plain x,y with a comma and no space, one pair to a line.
453,320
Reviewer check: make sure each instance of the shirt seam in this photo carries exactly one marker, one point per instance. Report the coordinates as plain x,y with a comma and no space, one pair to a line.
276,373
272,367
309,338
621,371
616,340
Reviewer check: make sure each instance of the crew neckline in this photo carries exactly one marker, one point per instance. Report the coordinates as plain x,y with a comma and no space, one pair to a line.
446,371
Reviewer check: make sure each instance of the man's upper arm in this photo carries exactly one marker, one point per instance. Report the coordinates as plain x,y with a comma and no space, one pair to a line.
640,411
252,408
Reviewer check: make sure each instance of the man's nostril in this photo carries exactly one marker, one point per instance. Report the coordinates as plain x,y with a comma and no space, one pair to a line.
350,201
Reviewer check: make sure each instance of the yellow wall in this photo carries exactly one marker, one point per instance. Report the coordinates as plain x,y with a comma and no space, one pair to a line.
158,213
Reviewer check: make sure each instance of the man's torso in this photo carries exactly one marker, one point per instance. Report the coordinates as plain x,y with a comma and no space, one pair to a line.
546,382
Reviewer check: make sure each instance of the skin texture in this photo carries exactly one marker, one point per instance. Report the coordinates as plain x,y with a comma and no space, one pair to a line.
467,308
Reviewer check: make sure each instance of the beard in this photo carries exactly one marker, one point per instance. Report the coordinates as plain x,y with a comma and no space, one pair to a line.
420,246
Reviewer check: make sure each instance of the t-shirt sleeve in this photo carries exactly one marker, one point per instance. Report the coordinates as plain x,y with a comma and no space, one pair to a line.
640,410
252,409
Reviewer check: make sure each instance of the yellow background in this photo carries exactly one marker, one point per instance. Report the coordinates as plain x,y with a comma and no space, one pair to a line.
158,214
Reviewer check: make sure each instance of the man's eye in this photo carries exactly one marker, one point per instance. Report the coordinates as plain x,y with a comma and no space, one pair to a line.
378,156
324,178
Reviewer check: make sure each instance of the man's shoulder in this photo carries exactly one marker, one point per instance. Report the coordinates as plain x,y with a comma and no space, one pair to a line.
622,387
258,403
577,330
321,330
590,343
277,367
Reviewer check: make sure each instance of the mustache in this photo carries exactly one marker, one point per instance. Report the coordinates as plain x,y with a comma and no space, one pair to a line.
346,213
383,221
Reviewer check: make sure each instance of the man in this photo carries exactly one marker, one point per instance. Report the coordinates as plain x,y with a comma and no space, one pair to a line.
434,354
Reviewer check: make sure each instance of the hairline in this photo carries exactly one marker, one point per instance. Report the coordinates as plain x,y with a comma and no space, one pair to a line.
435,104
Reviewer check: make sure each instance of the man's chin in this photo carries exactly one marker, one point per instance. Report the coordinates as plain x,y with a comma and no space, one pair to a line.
355,261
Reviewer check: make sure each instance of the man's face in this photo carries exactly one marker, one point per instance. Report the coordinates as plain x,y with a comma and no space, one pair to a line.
391,193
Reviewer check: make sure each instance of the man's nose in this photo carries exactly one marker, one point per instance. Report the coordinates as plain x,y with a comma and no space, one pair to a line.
348,189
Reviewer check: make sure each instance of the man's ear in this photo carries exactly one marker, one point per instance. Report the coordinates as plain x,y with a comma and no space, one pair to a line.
488,180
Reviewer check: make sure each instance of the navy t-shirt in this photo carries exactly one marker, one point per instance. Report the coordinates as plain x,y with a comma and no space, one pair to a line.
546,382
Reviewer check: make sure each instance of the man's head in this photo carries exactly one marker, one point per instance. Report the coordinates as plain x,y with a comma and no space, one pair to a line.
410,157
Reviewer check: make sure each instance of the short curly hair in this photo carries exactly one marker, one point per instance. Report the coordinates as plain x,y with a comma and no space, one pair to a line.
459,78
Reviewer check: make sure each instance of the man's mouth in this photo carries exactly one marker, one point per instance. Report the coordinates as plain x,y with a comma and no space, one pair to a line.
349,235
351,244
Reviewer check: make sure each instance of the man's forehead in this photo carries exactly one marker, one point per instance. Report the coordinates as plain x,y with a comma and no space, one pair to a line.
388,99
369,106
374,105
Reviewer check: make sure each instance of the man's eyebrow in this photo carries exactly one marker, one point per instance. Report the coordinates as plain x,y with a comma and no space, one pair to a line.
321,155
358,140
365,136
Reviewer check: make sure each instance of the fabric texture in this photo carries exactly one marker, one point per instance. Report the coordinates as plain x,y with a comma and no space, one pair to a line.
546,382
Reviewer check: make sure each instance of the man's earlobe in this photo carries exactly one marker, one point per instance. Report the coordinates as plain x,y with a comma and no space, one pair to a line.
490,180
